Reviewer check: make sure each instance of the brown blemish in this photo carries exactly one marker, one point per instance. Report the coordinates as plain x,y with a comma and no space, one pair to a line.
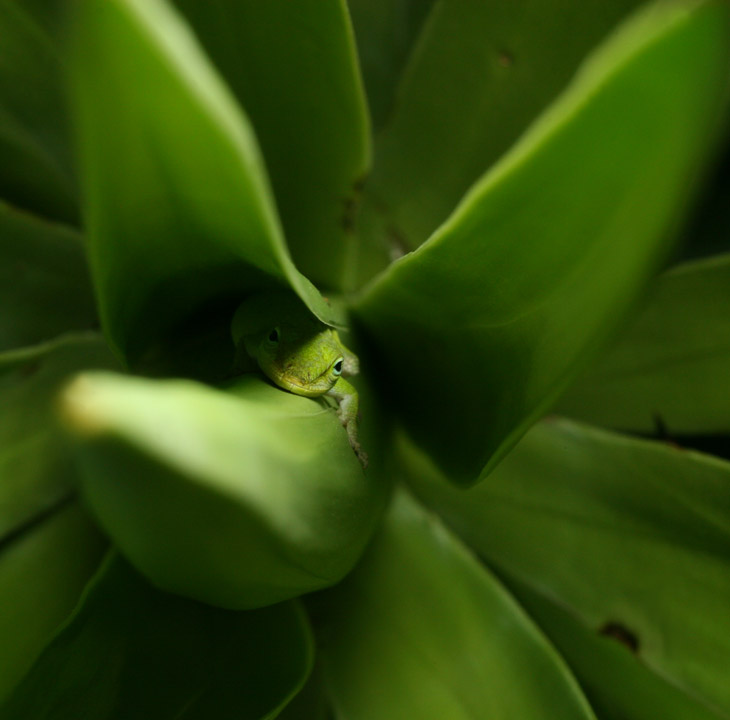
348,215
661,432
505,59
358,184
621,634
660,427
351,204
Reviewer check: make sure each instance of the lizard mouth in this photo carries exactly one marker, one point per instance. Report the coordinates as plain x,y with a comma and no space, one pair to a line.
296,386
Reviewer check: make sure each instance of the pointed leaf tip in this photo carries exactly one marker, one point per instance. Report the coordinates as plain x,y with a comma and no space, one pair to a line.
482,327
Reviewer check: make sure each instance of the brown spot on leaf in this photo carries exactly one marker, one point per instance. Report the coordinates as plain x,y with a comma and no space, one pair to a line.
358,184
660,427
661,432
351,203
348,214
505,59
622,634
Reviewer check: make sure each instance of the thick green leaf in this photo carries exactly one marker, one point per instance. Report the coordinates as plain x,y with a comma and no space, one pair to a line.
671,367
131,651
386,31
239,498
618,684
43,569
180,216
311,703
708,233
421,630
294,70
479,72
36,469
44,281
631,537
48,547
480,329
35,159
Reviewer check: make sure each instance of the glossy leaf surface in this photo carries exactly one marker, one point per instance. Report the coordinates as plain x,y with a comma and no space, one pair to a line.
133,651
631,537
36,469
421,630
239,498
44,566
182,224
36,169
44,281
294,70
478,73
479,330
671,366
48,545
618,684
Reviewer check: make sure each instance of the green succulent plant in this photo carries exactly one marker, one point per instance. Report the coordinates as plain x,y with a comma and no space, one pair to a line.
479,197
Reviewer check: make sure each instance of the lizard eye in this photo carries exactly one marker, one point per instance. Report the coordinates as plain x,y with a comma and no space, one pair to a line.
274,336
337,367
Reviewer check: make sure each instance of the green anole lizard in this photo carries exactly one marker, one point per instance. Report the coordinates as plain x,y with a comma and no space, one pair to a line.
299,353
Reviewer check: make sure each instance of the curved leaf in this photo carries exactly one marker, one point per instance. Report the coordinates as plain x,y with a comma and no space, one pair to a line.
48,546
671,367
239,498
311,703
421,630
386,31
294,70
481,328
36,169
132,651
43,570
36,469
478,73
44,282
182,225
618,684
631,537
708,232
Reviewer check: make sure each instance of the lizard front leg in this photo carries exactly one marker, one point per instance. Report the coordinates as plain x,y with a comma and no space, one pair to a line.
349,402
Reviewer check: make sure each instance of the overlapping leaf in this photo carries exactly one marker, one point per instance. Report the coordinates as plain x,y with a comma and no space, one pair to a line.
311,703
631,537
36,168
182,224
421,630
670,369
478,73
48,545
709,231
479,330
44,566
239,498
386,31
44,280
36,469
618,684
294,70
132,651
